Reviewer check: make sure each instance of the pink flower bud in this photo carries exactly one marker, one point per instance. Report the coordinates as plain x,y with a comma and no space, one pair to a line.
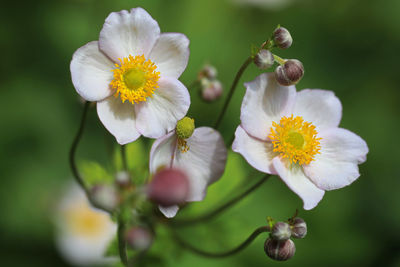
299,228
122,178
209,72
281,231
139,238
279,250
264,59
168,187
211,90
105,196
290,73
282,38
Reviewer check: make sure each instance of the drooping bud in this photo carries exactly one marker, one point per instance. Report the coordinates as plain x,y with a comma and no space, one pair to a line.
122,178
282,38
281,231
299,228
139,238
279,250
211,90
185,128
169,187
289,73
264,59
209,72
104,196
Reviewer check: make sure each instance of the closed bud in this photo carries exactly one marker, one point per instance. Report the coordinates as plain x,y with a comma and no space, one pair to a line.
139,238
123,179
281,231
169,187
279,250
282,38
211,90
104,196
299,228
264,59
289,73
209,72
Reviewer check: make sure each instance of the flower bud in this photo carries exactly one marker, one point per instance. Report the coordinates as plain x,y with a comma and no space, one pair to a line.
281,231
104,196
264,59
122,178
282,38
139,238
209,72
290,73
279,250
168,187
211,90
185,128
299,228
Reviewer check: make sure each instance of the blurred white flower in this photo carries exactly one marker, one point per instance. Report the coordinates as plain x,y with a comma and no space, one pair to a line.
83,232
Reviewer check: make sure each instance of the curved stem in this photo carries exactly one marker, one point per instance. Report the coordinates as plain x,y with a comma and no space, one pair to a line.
72,151
237,249
122,243
207,216
232,90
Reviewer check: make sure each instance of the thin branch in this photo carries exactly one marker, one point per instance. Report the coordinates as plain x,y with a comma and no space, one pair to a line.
122,243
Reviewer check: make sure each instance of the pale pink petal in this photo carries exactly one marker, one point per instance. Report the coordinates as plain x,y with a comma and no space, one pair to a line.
295,179
162,152
160,113
128,33
265,101
171,54
337,165
320,107
169,212
119,119
91,72
258,153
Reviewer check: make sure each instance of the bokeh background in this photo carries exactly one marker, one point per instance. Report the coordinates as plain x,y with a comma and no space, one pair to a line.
348,46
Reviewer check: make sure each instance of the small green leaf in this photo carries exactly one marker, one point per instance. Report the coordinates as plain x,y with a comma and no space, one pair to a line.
93,173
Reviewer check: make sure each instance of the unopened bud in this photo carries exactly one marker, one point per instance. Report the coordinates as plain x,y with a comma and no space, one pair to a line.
104,196
264,59
289,73
123,179
139,238
281,231
169,187
185,128
282,38
279,250
209,72
211,90
299,228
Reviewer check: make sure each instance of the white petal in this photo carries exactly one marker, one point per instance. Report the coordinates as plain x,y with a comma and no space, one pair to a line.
160,113
204,163
265,101
258,153
169,212
295,179
91,72
337,165
320,107
171,54
128,33
119,119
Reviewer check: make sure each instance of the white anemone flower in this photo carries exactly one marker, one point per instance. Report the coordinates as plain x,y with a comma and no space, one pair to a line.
83,232
296,136
132,73
201,155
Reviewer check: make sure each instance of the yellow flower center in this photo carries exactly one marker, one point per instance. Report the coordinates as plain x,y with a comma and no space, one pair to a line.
85,221
135,79
295,139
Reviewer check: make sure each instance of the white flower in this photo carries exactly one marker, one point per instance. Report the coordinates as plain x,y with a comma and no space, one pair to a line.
296,136
132,72
202,156
83,233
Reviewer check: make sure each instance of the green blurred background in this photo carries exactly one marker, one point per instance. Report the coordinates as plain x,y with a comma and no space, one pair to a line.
348,46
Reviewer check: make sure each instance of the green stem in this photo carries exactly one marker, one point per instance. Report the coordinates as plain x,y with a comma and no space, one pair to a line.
207,216
123,157
232,90
280,60
242,246
122,243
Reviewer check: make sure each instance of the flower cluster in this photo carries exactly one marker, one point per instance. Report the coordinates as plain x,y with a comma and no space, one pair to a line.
132,74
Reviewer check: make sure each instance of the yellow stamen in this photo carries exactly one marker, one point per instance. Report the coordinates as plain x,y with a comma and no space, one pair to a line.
295,139
182,145
135,79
